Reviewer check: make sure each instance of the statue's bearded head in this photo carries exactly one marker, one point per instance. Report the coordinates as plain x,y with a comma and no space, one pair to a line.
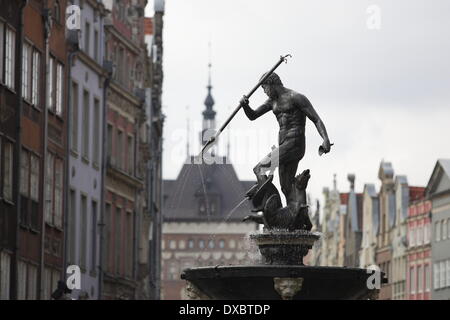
271,84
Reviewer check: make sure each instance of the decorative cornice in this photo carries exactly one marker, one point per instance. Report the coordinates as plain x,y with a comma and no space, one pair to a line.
129,44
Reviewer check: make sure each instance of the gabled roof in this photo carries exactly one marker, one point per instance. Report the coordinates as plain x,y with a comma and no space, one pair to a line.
355,203
441,171
215,182
370,189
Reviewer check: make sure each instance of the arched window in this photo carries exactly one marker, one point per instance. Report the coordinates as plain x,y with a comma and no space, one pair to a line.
57,12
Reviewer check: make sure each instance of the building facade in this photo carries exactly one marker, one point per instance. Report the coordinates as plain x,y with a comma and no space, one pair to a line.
387,219
11,35
125,115
353,226
79,107
438,192
33,64
419,270
87,104
154,144
371,217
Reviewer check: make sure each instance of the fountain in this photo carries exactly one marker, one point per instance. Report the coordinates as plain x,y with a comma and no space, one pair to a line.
282,275
287,237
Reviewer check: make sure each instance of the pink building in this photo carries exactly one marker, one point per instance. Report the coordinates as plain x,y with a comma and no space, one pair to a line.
419,249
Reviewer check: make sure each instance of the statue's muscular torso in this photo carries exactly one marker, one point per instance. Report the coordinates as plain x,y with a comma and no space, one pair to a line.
289,115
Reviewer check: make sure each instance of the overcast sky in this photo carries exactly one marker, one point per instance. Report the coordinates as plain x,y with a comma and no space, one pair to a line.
382,93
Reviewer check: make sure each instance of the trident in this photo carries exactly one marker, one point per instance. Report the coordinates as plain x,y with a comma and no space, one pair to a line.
212,140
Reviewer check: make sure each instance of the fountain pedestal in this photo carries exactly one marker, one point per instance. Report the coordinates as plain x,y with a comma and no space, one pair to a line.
283,247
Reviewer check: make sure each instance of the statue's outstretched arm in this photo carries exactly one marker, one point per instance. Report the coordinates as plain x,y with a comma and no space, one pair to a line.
255,114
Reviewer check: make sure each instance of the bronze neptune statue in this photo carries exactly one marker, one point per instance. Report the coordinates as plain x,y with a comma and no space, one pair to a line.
291,110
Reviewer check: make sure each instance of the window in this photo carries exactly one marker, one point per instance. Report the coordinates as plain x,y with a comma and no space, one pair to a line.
49,188
5,271
94,236
436,275
412,280
8,171
427,278
412,236
59,89
72,227
419,235
51,83
31,282
29,189
74,115
54,190
57,12
442,275
118,237
87,38
173,271
120,153
211,244
448,228
222,244
47,283
96,133
172,244
25,174
120,65
130,155
10,49
85,132
437,230
58,193
191,244
108,239
129,245
201,244
84,215
444,229
426,233
96,43
27,275
35,78
51,278
22,280
34,179
26,62
110,139
448,273
420,279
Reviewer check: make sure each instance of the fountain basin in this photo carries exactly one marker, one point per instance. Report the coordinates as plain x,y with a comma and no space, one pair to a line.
275,282
284,247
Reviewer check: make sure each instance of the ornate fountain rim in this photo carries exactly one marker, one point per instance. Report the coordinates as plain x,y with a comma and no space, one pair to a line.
298,237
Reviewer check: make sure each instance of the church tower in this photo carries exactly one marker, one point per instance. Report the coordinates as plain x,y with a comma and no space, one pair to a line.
209,116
